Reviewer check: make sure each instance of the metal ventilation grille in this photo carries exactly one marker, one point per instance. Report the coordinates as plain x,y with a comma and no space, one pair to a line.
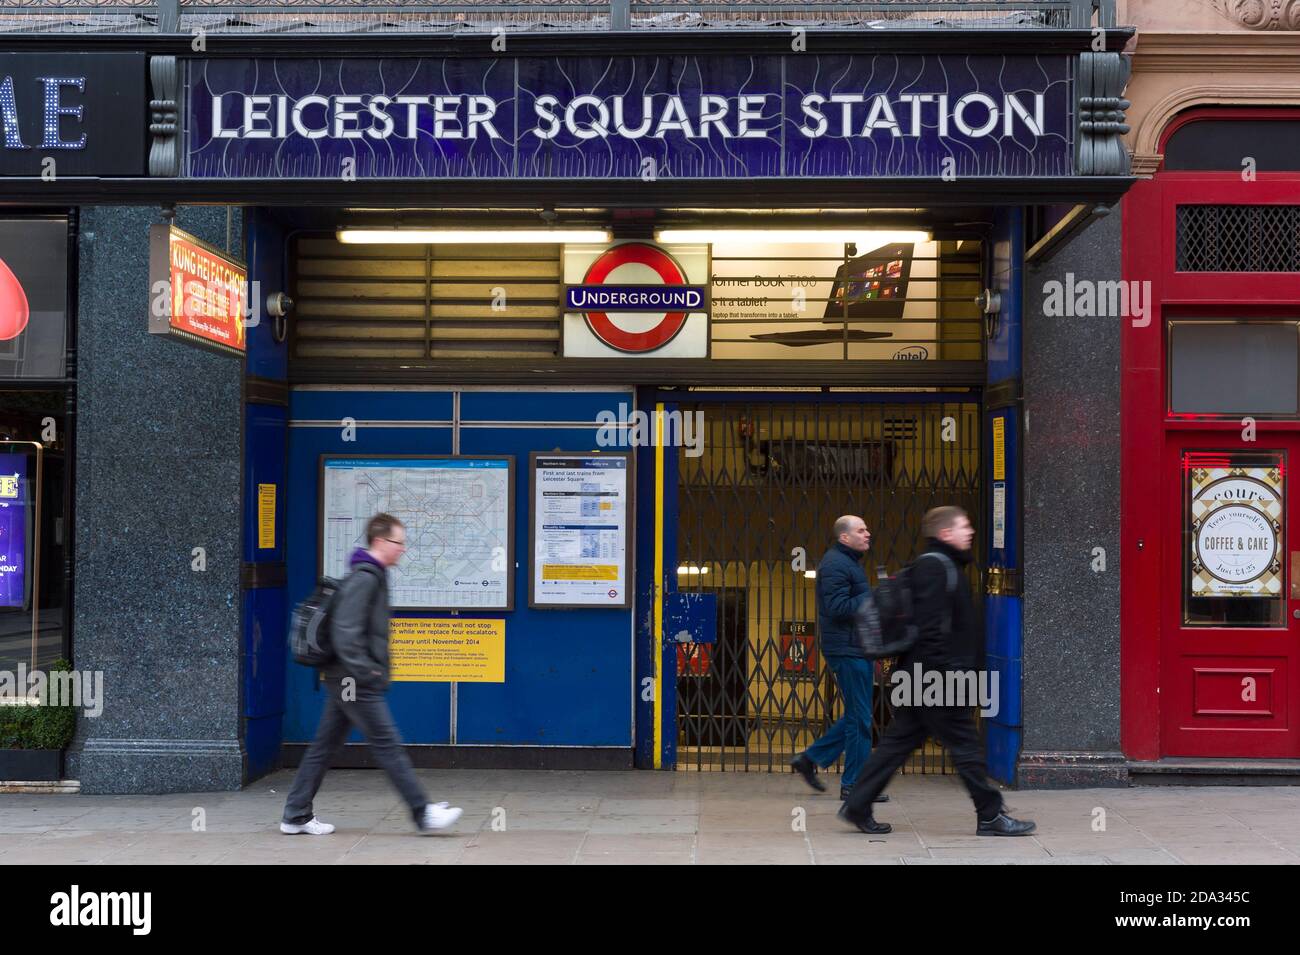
900,429
1238,238
425,301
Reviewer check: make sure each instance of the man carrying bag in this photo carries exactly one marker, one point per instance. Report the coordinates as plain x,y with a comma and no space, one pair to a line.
355,682
948,637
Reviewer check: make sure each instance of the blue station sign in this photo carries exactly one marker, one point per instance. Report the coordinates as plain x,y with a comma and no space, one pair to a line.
632,117
634,298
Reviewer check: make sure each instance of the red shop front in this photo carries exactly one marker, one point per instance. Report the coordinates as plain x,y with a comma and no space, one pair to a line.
1210,600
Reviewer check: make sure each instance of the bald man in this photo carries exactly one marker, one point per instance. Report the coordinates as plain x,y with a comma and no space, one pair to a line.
841,587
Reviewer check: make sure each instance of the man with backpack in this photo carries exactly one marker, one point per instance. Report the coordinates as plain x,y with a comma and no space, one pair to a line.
841,587
949,636
355,682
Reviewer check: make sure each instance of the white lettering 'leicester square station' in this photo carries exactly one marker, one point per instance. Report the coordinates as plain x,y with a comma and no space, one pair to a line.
466,116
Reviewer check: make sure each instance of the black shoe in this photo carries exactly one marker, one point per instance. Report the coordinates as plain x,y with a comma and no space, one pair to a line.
806,768
864,823
844,794
1004,825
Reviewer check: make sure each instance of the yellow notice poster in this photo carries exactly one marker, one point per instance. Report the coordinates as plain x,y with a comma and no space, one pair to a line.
1000,448
580,572
445,651
265,516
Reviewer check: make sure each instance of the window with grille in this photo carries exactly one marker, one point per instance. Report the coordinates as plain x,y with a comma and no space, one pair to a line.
1238,238
425,301
902,301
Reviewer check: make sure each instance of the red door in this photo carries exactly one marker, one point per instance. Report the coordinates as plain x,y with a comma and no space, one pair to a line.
1230,607
1209,661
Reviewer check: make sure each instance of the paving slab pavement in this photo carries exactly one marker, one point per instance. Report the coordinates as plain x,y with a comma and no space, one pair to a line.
668,818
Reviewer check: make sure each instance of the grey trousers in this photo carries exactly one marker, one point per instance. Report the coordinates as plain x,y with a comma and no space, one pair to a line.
370,715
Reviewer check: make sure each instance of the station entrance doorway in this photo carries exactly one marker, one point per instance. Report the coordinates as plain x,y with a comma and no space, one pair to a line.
755,507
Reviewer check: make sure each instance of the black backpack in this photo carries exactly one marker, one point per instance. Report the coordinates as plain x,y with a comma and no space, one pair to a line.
884,624
309,630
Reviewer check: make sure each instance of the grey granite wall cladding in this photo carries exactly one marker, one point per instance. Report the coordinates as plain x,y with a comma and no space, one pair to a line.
158,474
1072,479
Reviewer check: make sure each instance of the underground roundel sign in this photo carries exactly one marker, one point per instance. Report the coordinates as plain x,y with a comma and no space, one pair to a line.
635,298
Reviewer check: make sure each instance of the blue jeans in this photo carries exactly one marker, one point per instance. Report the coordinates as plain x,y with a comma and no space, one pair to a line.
851,733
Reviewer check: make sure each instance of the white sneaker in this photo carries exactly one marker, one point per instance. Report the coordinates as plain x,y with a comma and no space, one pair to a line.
313,827
438,815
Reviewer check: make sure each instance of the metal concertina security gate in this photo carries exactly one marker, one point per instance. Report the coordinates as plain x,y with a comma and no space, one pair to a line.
772,477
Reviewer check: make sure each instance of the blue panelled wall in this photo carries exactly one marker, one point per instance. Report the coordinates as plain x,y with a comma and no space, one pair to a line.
568,672
386,423
265,609
1002,602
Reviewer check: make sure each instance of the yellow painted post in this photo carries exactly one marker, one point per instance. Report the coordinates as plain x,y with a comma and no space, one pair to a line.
657,635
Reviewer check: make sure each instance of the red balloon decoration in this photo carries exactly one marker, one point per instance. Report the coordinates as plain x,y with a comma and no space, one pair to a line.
14,310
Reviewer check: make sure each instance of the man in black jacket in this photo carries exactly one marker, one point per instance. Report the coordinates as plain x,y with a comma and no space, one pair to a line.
949,638
841,586
355,684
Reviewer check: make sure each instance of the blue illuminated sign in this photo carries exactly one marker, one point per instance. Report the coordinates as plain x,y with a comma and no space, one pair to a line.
632,117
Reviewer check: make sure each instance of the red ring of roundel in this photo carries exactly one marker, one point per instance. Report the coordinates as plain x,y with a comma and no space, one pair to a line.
667,268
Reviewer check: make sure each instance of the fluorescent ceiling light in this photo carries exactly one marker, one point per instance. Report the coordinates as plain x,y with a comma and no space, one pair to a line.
494,236
865,238
692,569
810,574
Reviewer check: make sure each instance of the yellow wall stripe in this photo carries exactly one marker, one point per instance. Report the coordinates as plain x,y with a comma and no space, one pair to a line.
657,635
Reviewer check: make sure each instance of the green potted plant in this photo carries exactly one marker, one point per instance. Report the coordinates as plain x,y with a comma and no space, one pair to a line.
33,736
